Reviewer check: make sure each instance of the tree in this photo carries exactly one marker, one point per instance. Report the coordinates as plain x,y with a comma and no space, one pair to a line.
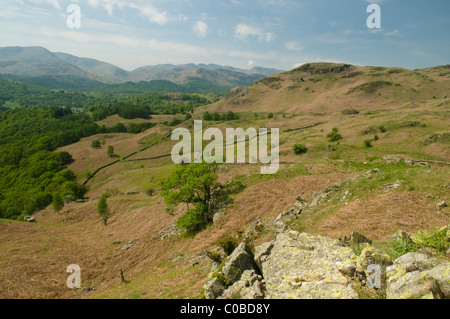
300,149
334,136
95,144
270,116
103,209
194,184
110,151
58,202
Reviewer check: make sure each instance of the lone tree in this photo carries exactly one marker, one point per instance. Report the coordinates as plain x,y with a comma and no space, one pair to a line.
110,151
194,184
334,136
103,209
58,202
96,144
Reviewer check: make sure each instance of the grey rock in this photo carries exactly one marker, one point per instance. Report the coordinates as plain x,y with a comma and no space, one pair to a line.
248,287
213,289
442,275
29,219
415,276
240,260
301,266
441,205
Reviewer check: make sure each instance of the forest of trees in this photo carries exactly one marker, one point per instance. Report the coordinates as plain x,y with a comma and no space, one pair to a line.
143,106
35,121
30,171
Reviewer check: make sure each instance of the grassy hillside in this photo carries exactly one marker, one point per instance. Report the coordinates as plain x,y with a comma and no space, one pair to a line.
403,114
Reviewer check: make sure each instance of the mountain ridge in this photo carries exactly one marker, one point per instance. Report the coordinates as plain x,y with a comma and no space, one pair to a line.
36,62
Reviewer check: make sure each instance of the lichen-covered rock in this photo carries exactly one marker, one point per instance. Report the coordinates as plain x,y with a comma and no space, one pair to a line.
372,256
262,252
240,260
415,276
213,289
250,286
414,285
442,275
301,266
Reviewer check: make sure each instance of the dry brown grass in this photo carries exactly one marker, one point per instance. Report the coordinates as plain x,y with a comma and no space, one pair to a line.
378,217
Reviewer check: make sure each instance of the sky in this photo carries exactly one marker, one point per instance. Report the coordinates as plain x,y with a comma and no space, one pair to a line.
281,34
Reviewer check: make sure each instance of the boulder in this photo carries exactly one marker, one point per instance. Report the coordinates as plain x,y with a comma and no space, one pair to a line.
418,276
240,260
29,219
250,286
213,288
300,266
442,275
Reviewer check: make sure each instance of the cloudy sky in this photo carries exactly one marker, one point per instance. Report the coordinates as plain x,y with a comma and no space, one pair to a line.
242,33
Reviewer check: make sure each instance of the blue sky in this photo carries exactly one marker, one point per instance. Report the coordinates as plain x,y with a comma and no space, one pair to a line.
242,33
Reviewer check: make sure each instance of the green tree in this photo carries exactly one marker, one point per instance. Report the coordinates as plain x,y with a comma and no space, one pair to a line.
334,136
96,144
193,184
58,202
270,116
103,209
300,149
110,151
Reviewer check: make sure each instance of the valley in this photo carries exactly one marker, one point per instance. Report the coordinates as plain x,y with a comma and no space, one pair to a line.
375,144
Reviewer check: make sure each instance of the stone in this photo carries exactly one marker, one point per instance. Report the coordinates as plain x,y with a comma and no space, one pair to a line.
240,260
255,226
29,219
413,276
128,245
300,266
248,287
442,275
213,289
261,253
372,256
441,205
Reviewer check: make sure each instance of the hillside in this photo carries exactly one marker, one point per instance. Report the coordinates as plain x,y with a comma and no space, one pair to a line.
37,65
388,172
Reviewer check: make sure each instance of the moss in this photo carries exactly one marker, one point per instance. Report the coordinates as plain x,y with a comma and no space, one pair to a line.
224,280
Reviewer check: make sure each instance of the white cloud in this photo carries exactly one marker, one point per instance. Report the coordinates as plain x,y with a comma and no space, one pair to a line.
243,31
293,46
147,10
200,29
53,3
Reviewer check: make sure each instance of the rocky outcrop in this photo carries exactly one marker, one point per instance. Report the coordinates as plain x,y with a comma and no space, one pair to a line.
238,95
418,276
300,266
239,261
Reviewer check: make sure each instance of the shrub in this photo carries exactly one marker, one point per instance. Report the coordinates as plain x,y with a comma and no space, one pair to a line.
102,209
110,151
95,144
192,222
216,257
300,149
58,202
334,136
150,191
228,244
270,116
350,112
368,143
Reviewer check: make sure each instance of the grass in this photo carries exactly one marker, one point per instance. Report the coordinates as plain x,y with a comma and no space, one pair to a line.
361,205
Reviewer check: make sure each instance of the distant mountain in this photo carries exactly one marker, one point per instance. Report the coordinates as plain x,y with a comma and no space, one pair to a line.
182,74
59,70
36,61
106,72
